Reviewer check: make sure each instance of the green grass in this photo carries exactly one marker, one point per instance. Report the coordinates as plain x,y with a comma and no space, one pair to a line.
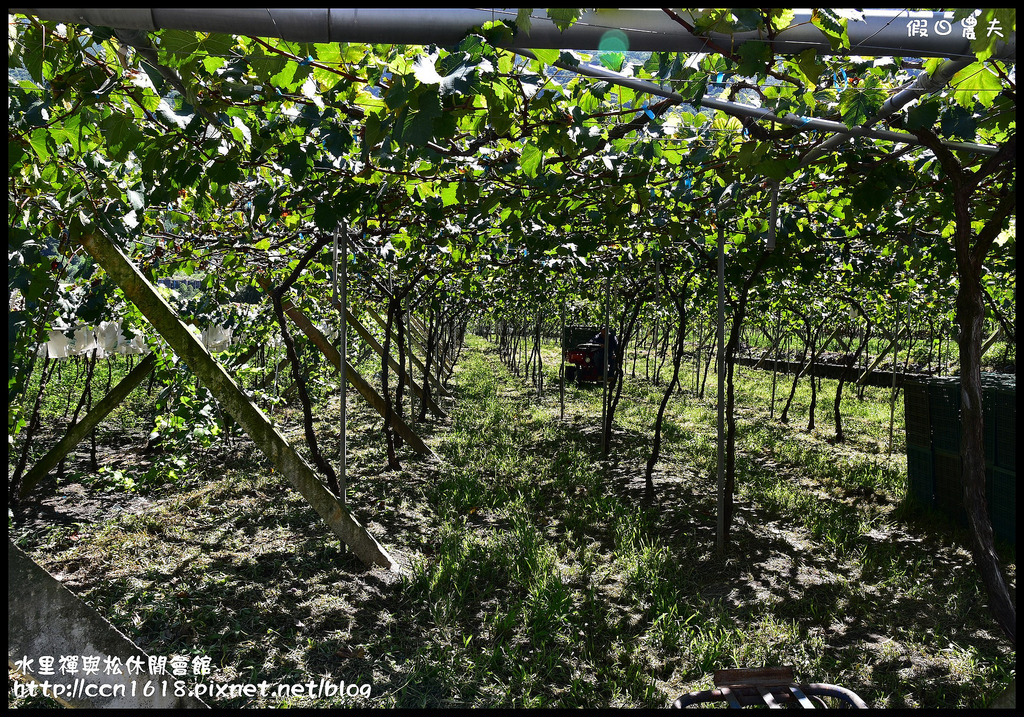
537,573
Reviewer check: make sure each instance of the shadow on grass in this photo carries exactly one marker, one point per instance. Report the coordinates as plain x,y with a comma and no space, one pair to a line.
538,574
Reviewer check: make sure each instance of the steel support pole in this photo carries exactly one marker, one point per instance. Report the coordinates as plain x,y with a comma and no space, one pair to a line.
657,288
408,333
526,335
720,539
604,396
561,367
540,363
341,299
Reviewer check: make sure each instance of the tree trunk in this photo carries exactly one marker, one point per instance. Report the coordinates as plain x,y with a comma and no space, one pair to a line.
427,359
813,333
626,334
784,418
300,383
14,488
851,362
970,312
656,446
739,314
677,359
971,251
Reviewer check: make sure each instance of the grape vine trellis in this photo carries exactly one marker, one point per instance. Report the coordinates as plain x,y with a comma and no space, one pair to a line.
482,180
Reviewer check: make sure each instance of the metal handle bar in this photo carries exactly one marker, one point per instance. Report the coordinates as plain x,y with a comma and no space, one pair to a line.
773,696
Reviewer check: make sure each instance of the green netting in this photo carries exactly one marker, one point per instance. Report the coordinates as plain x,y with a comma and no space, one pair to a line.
944,412
1002,502
920,478
915,409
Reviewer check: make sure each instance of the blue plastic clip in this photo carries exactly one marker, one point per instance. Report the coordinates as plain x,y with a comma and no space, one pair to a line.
650,114
307,61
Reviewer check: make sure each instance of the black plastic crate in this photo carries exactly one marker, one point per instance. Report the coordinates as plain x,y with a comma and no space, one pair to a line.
576,335
943,460
989,417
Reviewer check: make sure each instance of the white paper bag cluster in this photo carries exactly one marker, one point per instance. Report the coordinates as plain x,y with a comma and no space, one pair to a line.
108,338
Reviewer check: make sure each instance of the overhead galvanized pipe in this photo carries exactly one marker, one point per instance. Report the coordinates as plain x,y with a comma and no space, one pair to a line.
758,113
642,30
881,33
925,84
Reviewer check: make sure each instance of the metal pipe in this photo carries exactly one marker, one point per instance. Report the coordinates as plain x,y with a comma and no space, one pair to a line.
561,367
640,28
720,534
848,696
758,113
341,263
604,395
924,84
880,33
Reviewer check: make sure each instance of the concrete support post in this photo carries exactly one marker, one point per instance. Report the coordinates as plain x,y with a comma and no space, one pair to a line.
45,618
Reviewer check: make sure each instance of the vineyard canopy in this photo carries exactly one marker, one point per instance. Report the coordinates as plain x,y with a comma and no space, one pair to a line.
478,153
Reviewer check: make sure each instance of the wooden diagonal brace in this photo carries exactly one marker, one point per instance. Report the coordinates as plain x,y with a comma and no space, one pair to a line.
419,331
83,428
358,382
441,390
375,345
878,359
248,415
